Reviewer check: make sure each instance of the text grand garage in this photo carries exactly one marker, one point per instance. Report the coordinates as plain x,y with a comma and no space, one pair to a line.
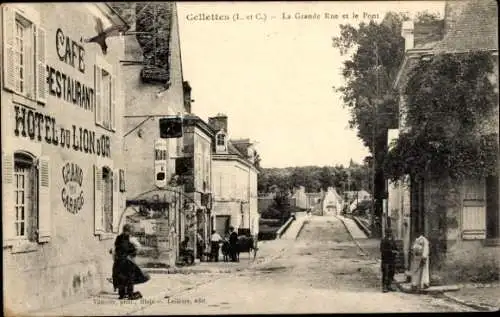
37,125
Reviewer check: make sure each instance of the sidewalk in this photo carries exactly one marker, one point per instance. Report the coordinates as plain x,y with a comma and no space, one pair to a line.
107,302
352,227
162,284
481,297
294,229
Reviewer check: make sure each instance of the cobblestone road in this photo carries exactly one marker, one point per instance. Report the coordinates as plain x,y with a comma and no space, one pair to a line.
321,272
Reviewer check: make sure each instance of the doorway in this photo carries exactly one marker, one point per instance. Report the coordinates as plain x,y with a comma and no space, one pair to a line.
222,224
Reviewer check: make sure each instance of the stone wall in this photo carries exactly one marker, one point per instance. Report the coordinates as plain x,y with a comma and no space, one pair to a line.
453,258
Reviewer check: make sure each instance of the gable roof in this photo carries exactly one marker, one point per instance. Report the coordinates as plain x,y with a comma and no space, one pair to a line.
476,28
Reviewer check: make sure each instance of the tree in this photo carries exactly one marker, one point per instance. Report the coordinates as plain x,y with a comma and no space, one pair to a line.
450,104
377,50
156,19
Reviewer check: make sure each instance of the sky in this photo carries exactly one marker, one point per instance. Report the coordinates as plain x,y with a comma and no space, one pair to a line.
274,77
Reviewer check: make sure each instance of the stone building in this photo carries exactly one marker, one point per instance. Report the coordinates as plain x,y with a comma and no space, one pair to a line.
332,202
62,160
234,181
154,90
195,170
461,219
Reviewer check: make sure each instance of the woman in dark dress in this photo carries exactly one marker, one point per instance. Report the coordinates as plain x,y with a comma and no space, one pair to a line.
125,272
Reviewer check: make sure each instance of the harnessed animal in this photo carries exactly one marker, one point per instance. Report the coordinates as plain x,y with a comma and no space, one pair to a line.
243,245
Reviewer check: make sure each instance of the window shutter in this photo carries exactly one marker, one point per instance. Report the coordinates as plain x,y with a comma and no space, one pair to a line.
116,200
98,214
473,221
8,199
97,94
30,63
9,21
474,210
44,209
40,55
113,103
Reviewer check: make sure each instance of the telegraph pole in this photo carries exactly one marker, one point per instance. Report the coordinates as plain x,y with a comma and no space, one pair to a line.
374,128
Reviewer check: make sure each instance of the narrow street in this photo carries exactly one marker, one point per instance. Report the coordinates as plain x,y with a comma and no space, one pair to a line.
321,272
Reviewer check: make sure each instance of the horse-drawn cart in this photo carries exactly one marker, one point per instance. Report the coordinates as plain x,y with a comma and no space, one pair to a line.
246,244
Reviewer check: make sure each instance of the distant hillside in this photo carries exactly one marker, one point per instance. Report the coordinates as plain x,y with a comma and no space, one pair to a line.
313,178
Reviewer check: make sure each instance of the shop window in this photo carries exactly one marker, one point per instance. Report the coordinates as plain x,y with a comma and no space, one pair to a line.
105,96
23,56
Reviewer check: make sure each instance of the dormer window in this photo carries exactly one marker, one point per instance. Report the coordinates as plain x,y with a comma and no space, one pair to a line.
220,142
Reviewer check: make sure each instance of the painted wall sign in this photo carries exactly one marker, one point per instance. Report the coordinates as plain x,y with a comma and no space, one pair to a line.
36,125
69,51
72,192
62,85
69,89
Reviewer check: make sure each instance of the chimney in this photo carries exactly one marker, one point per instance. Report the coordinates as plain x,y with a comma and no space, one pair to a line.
187,96
218,122
407,33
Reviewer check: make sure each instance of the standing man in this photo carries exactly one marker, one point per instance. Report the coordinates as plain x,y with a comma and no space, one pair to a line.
200,245
215,241
233,244
388,252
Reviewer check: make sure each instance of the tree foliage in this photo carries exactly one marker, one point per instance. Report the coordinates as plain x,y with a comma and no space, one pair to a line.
155,18
314,178
452,119
376,51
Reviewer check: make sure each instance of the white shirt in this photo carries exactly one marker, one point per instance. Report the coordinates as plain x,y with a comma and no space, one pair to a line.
135,242
215,237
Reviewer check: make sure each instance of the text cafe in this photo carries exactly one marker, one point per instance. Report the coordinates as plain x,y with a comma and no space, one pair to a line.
63,188
42,127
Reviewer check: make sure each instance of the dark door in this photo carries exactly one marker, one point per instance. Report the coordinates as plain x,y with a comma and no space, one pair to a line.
222,224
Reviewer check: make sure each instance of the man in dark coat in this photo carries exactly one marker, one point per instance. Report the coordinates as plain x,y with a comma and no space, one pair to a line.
233,243
388,250
125,272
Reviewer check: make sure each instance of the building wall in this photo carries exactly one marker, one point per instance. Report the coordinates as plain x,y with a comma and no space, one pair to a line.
74,261
453,247
145,104
253,202
234,184
301,198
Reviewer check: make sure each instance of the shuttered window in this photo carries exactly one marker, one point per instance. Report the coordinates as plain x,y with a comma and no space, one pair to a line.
107,198
98,214
474,210
26,194
24,56
105,95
